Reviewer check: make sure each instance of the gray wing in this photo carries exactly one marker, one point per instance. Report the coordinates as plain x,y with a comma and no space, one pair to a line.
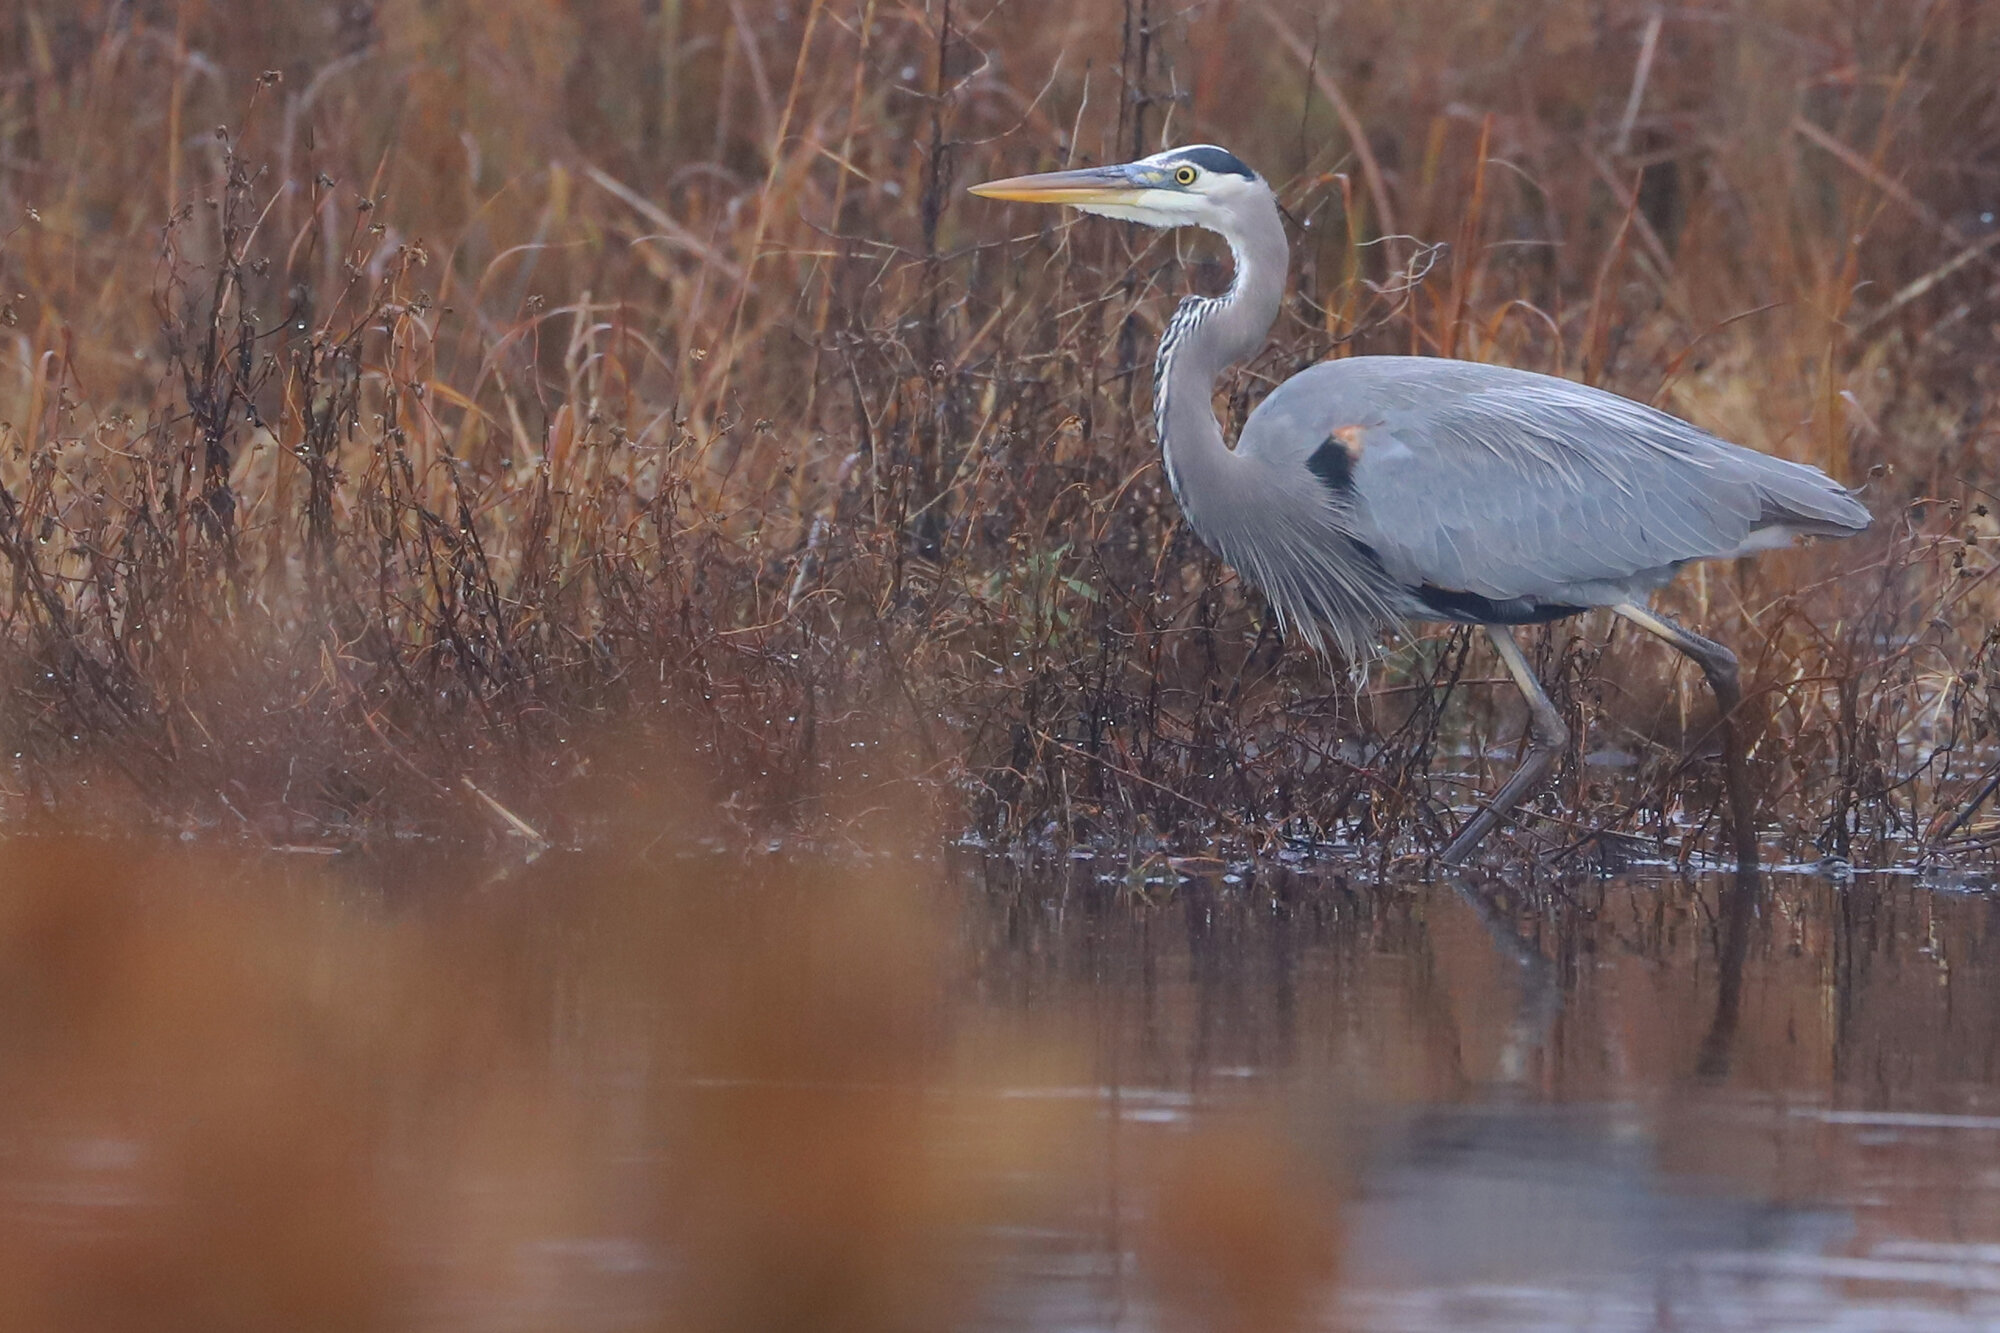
1509,485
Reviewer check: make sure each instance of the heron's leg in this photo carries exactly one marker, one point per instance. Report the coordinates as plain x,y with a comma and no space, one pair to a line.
1719,665
1546,738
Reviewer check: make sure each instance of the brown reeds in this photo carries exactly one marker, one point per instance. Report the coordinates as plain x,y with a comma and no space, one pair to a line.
402,398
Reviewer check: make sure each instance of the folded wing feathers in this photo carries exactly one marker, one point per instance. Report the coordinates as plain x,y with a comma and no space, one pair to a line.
1501,483
1520,490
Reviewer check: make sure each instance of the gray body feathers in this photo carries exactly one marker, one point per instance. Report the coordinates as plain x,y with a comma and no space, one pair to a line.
1470,492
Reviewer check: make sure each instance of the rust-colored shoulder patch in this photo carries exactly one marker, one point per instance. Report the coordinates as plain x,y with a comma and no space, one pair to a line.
1333,462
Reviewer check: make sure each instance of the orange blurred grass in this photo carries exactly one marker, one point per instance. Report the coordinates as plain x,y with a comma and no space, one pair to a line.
646,1088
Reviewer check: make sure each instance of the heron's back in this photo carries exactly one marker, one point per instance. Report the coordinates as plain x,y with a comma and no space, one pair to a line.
1486,492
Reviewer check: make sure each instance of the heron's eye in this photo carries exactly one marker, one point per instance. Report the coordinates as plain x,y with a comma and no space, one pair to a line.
1185,174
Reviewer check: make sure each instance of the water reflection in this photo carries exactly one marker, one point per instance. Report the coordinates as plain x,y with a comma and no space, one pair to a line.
1621,1104
669,1091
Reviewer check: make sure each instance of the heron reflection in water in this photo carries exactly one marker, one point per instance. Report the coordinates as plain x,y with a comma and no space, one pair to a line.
1376,490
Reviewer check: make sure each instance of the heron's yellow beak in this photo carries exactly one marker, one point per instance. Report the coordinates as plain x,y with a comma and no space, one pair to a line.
1090,185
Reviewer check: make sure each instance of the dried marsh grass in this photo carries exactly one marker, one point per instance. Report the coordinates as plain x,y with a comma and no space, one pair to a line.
402,398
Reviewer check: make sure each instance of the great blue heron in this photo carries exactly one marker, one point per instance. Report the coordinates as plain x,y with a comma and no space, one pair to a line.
1375,490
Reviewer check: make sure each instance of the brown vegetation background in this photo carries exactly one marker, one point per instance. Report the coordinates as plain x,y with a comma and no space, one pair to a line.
410,408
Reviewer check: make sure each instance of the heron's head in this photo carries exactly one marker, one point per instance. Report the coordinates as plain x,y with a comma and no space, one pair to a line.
1197,186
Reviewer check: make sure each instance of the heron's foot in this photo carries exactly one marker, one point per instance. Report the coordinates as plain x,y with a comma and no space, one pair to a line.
1547,738
1543,747
1726,680
1610,851
1467,842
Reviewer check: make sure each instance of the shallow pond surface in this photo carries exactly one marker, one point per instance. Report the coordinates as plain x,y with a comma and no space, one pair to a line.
993,1097
1640,1103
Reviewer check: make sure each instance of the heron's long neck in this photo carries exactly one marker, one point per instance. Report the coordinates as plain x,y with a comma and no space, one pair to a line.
1204,338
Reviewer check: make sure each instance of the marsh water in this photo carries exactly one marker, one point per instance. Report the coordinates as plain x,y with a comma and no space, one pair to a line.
1642,1102
1637,1103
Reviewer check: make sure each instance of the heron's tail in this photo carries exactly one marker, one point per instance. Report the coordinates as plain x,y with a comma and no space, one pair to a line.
1805,500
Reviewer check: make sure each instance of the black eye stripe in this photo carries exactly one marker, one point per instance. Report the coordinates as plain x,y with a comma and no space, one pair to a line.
1219,160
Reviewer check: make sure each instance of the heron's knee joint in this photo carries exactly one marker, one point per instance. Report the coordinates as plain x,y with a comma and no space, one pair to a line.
1725,678
1717,662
